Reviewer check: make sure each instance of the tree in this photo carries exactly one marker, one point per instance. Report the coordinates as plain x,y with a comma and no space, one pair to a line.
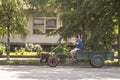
39,6
12,20
91,19
94,20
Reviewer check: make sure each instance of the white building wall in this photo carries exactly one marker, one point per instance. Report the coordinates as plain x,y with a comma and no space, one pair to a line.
34,38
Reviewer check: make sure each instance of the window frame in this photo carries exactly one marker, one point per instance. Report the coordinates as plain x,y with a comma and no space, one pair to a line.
45,23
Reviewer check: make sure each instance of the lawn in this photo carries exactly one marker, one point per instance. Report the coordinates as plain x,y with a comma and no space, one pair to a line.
22,54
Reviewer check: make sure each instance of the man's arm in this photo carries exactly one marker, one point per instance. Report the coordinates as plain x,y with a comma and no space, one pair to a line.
75,43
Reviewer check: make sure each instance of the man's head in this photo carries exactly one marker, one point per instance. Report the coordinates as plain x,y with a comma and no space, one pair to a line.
76,37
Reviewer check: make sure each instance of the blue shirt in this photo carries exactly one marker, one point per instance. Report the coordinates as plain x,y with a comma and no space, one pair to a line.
79,45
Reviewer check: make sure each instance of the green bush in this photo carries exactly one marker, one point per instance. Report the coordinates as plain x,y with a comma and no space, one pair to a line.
1,52
21,50
37,48
2,49
31,47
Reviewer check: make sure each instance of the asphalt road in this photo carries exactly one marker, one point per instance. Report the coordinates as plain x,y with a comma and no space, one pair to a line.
10,72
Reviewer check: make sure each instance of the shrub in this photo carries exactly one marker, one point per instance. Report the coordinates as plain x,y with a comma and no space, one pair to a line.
21,50
1,52
31,47
2,49
37,48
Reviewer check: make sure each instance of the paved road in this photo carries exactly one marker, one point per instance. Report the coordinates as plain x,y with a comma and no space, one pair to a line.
9,72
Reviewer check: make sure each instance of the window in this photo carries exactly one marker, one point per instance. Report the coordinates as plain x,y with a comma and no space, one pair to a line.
50,23
38,25
43,24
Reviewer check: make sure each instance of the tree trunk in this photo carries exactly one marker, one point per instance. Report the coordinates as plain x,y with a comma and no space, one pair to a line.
83,36
8,43
119,44
118,35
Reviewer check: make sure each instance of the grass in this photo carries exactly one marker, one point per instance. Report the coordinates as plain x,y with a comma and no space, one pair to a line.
109,62
22,54
20,62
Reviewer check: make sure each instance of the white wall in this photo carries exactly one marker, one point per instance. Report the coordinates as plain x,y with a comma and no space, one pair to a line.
32,38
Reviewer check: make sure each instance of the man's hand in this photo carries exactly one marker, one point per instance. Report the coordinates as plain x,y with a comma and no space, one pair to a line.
75,43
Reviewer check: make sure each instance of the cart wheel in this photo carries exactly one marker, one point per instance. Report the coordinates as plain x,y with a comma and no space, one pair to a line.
97,61
52,61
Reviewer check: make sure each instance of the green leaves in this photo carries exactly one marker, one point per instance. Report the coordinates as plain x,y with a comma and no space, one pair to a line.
97,21
12,15
91,19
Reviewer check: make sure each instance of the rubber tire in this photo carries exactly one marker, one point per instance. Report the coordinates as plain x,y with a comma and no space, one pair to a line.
94,61
52,61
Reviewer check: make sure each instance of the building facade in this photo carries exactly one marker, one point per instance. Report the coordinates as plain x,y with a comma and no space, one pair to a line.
38,26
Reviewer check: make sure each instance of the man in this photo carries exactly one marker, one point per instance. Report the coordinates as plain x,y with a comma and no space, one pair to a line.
78,46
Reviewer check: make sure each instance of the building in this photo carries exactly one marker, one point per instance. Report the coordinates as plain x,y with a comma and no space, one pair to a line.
38,26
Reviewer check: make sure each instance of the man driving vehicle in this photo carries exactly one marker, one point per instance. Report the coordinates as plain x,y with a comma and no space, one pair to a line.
78,46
